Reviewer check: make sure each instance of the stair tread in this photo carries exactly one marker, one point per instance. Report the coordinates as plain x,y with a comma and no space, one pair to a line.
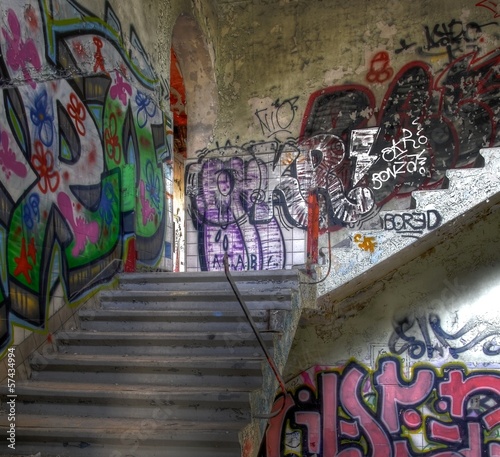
204,276
208,295
154,314
73,388
181,312
151,359
67,425
198,336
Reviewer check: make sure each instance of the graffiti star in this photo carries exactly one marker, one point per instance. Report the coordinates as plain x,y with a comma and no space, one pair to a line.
23,265
367,243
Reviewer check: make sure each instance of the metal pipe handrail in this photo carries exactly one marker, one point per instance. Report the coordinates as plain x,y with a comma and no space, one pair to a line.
249,317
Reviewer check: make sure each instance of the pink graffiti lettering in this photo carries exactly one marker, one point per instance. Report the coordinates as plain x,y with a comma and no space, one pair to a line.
82,229
353,412
276,424
147,212
459,390
374,433
474,439
394,395
329,413
313,423
8,160
120,90
444,432
19,52
492,419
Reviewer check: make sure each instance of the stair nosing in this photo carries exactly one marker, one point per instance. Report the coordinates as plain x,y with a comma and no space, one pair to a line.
155,335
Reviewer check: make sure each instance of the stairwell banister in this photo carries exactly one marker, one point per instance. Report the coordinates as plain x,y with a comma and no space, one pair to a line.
249,317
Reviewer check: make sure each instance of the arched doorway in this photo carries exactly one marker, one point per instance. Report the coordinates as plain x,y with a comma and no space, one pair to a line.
193,103
179,113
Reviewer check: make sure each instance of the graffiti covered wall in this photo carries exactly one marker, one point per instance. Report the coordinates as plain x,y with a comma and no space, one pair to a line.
355,411
408,367
82,138
416,106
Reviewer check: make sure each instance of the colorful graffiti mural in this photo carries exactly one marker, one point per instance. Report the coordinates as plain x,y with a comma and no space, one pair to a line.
82,139
354,153
427,123
354,411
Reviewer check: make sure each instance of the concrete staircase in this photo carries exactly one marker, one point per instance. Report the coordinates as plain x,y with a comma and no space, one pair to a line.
166,364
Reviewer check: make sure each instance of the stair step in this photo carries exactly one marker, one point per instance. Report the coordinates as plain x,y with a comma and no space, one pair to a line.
167,371
199,299
81,390
85,436
262,280
141,449
170,320
65,362
162,343
132,401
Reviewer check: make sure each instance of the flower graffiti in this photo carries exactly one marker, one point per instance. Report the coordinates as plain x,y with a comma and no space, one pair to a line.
112,142
77,112
42,117
43,162
62,139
